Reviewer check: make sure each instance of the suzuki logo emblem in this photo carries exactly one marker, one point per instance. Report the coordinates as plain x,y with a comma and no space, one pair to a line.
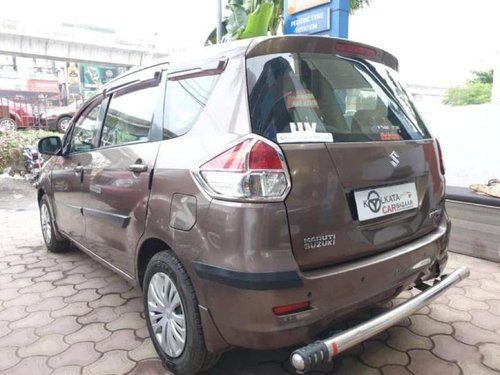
394,156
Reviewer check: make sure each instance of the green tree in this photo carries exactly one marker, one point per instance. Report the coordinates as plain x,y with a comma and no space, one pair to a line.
485,76
357,4
475,91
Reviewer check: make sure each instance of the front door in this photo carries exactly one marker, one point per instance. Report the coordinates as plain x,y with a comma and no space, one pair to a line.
67,172
116,182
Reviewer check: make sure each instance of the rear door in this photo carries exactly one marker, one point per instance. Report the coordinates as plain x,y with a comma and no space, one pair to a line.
116,184
364,169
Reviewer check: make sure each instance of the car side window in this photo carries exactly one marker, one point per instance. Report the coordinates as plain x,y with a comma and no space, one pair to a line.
85,131
185,100
129,117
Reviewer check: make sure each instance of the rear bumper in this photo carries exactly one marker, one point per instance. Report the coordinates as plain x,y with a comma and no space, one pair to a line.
242,310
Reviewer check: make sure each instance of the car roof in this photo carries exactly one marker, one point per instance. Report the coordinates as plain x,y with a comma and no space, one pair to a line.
255,47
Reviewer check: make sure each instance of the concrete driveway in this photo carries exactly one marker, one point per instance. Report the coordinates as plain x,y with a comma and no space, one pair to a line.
67,314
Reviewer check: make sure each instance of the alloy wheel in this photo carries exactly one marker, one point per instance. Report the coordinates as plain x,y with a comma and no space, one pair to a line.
63,124
46,223
7,124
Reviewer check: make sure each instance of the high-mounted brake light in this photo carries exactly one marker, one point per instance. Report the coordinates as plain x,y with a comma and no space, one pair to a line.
253,169
355,49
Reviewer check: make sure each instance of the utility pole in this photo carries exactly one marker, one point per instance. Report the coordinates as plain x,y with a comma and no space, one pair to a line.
219,21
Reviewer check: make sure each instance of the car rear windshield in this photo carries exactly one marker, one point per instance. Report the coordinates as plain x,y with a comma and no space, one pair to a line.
312,97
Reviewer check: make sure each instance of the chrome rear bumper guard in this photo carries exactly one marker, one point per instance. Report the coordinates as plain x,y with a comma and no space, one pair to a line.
305,358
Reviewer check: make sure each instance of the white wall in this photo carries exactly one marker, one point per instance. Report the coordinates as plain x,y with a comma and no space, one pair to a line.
470,140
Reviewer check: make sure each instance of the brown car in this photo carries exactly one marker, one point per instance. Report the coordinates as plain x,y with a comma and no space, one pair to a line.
256,191
58,118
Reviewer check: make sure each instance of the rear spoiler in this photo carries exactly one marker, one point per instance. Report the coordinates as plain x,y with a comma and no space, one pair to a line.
320,44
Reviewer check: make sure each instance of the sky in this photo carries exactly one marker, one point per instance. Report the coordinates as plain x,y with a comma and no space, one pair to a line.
437,42
184,23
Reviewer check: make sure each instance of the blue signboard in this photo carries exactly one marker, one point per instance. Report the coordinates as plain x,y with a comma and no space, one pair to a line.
311,21
312,17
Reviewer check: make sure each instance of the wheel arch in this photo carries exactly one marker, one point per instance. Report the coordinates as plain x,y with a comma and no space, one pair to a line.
152,246
14,116
146,251
153,243
40,194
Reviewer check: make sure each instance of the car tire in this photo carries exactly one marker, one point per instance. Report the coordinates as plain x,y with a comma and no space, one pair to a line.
7,124
176,309
63,123
53,240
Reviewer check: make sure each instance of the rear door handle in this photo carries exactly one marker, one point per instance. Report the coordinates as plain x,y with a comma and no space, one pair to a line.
138,168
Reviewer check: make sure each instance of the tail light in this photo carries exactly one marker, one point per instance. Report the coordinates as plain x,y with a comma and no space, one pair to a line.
440,155
253,169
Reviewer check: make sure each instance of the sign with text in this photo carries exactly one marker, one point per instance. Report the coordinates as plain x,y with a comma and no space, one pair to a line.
43,85
295,6
311,21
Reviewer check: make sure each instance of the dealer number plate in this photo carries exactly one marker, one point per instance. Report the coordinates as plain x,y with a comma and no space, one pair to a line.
383,201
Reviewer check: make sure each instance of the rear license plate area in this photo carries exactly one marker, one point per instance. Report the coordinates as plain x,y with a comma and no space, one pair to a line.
384,201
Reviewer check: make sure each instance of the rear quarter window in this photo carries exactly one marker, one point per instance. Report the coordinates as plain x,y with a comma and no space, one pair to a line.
312,97
185,100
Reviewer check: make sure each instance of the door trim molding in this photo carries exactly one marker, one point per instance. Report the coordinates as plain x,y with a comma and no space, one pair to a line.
121,221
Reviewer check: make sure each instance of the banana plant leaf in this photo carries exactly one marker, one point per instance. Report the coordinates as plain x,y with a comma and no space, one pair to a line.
258,21
277,17
251,5
237,20
249,18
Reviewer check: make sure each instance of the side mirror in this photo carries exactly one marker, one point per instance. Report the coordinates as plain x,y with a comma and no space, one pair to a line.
49,145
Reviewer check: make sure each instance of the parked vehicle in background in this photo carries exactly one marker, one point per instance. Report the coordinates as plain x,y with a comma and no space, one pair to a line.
256,191
15,115
33,161
58,118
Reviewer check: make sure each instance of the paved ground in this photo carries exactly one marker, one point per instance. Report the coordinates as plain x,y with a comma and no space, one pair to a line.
66,314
